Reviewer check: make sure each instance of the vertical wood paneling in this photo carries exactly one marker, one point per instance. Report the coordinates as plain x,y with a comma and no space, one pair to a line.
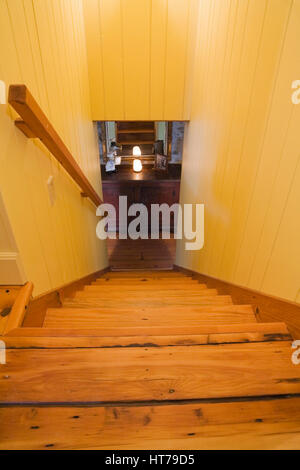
241,154
42,44
176,53
158,57
140,52
136,50
111,30
95,57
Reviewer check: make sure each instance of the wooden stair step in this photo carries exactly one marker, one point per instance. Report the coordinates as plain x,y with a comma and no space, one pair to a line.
100,301
147,281
249,425
146,374
150,330
76,318
150,264
143,273
162,311
144,287
96,337
95,291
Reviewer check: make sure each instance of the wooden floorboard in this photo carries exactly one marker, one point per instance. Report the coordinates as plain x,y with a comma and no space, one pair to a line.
146,281
144,274
260,424
76,318
141,254
147,330
249,333
143,292
150,301
149,359
143,374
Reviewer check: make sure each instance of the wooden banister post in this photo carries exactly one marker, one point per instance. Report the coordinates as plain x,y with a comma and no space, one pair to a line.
17,313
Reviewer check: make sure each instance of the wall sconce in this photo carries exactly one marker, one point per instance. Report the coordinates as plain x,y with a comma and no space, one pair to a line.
137,163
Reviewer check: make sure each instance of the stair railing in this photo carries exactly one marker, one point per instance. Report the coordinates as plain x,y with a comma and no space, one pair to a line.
35,124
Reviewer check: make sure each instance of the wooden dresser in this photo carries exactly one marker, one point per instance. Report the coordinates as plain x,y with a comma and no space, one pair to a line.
148,187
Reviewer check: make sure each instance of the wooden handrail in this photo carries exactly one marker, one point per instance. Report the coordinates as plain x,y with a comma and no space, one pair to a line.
17,313
35,124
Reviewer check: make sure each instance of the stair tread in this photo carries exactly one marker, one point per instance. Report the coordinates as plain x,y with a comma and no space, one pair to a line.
257,424
159,311
236,333
89,301
144,290
69,318
147,281
154,330
95,291
146,374
139,273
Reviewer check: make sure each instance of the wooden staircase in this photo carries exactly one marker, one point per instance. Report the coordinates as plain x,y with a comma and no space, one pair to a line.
150,359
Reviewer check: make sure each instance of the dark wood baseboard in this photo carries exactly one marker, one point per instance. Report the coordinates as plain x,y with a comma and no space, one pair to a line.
267,308
38,306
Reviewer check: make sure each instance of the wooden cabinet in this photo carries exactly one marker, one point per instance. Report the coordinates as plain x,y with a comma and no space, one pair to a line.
146,191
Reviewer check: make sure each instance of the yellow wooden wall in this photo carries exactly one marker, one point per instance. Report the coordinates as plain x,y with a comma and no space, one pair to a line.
242,150
140,54
42,44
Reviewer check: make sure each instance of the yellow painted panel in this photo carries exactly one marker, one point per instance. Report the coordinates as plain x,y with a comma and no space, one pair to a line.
43,45
192,45
176,57
270,155
111,30
94,55
270,45
241,150
245,92
136,50
158,36
219,184
139,56
282,277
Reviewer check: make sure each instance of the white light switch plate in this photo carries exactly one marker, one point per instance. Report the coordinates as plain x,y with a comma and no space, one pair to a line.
51,189
2,92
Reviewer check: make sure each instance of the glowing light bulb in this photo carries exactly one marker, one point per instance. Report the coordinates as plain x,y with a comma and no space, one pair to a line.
136,151
137,165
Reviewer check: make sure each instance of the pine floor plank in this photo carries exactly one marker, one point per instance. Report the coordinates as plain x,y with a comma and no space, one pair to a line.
142,273
161,311
146,282
143,374
95,291
260,424
148,330
92,301
88,318
250,333
146,290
